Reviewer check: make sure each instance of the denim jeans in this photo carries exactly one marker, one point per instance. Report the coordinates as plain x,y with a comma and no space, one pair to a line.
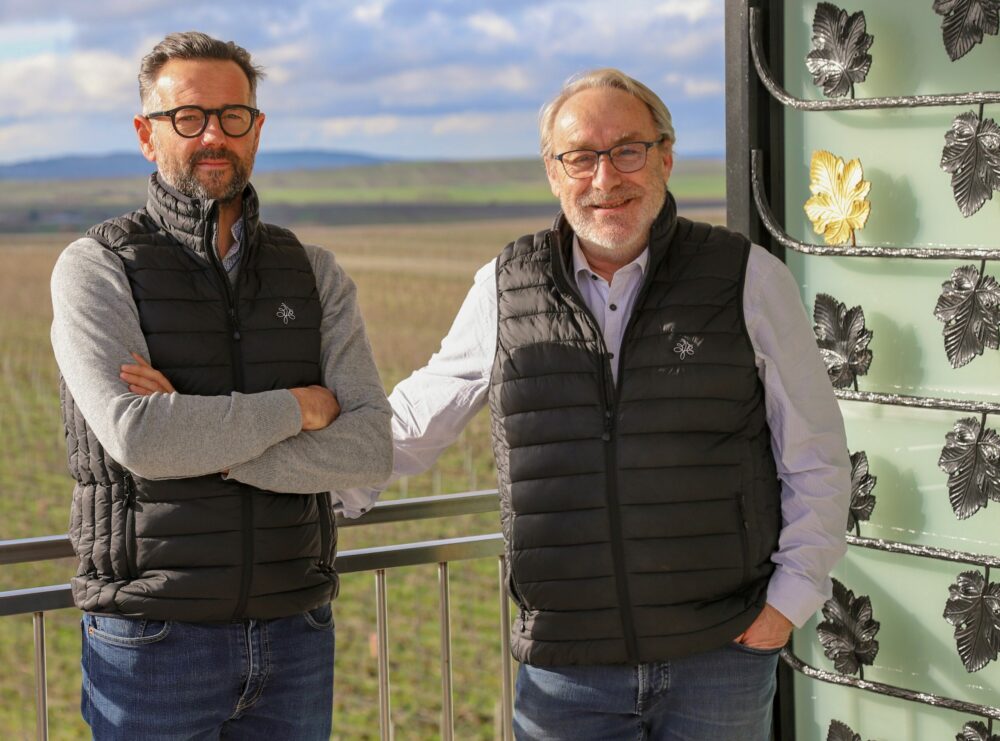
719,695
254,679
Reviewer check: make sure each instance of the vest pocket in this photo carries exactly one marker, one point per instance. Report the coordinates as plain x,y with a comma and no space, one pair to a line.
327,532
131,546
744,527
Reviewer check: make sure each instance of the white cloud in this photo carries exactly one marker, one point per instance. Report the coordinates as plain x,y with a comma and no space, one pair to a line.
345,126
431,86
493,26
696,87
369,14
19,40
691,10
73,83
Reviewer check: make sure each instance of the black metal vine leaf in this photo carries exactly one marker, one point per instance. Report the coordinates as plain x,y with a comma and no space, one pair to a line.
976,731
848,633
965,22
841,732
972,155
839,55
973,607
862,483
969,306
971,458
842,339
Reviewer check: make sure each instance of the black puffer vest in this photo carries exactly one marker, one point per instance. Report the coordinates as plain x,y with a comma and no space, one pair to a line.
203,548
640,517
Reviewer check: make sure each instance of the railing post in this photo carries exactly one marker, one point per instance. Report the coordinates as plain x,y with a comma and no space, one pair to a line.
382,631
447,710
507,680
41,682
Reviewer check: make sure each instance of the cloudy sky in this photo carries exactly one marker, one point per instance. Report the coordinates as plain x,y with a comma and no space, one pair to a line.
449,79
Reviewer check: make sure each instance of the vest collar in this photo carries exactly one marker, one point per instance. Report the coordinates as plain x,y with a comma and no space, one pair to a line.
661,234
192,221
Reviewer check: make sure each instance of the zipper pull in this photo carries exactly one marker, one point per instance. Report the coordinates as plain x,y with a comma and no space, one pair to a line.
129,491
524,615
236,323
607,425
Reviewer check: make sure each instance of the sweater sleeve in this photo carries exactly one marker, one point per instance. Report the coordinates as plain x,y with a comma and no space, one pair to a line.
356,449
95,326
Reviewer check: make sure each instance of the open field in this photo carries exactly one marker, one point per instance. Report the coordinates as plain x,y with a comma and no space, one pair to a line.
432,191
411,279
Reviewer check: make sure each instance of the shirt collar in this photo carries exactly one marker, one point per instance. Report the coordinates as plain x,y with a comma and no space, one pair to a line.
580,264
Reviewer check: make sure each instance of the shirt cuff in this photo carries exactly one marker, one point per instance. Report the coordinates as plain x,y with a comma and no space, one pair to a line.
795,597
352,503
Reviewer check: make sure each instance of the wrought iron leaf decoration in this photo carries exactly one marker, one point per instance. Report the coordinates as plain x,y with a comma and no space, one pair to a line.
862,483
971,458
848,633
976,731
965,22
841,732
973,607
972,155
969,306
839,56
842,339
838,204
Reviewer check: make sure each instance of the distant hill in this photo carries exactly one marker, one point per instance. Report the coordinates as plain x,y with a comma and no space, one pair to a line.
131,164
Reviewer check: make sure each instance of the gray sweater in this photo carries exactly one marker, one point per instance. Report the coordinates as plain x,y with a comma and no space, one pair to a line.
256,437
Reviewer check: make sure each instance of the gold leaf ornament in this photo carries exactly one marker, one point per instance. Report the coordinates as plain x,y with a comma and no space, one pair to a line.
838,206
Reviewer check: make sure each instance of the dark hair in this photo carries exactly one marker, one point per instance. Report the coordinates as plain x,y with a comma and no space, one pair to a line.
195,45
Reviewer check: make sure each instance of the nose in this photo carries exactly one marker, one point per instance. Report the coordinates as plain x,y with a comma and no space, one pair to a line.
213,129
606,176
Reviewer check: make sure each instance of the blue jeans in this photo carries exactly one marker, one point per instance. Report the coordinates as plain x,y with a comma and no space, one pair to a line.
255,679
719,695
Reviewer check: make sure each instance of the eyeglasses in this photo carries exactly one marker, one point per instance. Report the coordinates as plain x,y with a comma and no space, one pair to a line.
627,157
190,121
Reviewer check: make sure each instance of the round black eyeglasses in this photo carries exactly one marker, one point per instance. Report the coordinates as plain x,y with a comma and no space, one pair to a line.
190,121
627,157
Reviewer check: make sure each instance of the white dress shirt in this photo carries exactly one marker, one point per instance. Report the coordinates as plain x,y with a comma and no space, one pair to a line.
433,405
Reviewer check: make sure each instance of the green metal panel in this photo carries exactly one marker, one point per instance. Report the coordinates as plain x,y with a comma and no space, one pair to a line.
912,204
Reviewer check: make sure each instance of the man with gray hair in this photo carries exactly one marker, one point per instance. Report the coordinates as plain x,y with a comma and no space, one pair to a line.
217,384
673,470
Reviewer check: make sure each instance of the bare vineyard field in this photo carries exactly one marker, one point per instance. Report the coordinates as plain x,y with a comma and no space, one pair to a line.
411,280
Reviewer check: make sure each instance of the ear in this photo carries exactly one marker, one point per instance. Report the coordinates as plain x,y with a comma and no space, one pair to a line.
257,125
144,131
668,162
553,171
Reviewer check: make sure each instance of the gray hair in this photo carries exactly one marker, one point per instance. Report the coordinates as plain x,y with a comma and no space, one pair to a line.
194,45
607,77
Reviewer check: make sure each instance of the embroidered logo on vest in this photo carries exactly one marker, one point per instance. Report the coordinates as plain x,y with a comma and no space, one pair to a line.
285,313
684,348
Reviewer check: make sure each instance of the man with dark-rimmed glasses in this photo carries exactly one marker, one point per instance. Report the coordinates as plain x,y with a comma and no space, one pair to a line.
673,470
217,385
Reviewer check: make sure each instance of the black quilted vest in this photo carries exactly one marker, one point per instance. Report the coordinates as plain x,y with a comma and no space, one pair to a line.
639,518
203,548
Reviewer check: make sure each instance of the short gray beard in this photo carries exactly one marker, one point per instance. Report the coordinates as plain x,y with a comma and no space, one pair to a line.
188,183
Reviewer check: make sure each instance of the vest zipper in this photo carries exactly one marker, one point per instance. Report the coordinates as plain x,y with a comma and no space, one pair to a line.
131,561
610,404
236,355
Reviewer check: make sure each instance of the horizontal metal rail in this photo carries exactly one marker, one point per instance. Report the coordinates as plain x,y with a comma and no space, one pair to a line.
878,688
924,551
846,250
919,402
50,547
850,104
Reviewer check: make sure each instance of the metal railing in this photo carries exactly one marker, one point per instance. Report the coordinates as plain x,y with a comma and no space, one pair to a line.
36,601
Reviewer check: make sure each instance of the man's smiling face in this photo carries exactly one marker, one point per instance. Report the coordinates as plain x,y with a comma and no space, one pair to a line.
611,211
